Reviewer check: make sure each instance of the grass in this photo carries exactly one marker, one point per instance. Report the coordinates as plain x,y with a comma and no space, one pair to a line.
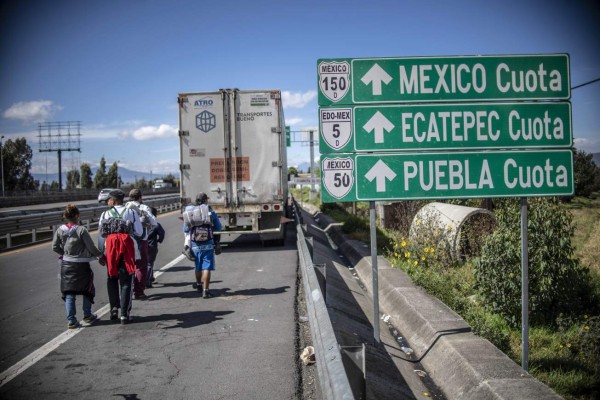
558,357
586,218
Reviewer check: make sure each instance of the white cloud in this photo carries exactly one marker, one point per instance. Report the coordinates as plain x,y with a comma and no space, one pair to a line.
298,99
293,121
32,111
151,132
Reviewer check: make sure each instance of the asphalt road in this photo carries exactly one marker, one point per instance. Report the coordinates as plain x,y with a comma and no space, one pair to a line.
239,344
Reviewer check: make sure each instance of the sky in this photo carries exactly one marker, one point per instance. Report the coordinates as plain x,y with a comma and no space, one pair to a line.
117,66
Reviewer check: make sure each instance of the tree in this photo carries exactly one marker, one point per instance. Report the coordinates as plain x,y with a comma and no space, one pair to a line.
86,176
112,176
73,178
292,171
585,173
142,183
168,178
16,157
100,178
558,282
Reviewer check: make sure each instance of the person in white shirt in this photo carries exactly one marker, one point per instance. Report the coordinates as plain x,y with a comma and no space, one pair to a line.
117,228
148,222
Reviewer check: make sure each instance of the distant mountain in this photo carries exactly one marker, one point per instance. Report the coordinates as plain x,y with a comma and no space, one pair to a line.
127,176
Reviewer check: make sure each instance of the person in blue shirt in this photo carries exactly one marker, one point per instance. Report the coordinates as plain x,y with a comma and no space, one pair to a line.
202,243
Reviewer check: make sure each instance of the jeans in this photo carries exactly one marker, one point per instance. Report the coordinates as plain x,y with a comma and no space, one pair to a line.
71,311
119,290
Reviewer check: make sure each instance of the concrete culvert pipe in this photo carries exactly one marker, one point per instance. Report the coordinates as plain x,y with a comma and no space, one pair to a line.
459,229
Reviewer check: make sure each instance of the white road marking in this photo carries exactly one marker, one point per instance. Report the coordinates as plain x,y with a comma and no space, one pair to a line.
14,371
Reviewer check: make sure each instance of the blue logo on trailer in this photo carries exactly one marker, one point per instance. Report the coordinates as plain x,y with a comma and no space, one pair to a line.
205,121
204,102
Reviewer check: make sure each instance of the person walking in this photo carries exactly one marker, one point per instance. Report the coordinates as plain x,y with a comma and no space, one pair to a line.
156,236
76,249
200,223
117,227
148,221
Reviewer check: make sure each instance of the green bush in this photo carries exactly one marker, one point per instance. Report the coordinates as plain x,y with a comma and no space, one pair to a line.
558,283
354,224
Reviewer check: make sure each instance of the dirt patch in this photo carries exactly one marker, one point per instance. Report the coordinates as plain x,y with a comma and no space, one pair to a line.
307,381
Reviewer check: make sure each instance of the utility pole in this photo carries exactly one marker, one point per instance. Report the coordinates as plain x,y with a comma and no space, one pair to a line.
312,166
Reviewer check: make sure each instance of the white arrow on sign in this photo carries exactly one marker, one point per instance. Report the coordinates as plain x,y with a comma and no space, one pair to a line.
378,123
380,172
376,75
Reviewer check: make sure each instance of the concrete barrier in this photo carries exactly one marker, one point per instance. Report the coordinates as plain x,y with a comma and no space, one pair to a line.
463,365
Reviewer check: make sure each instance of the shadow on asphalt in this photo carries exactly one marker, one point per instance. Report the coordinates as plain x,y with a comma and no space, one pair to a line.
187,320
249,292
184,320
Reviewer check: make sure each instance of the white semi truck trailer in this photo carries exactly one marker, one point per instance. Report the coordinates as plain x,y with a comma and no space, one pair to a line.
233,148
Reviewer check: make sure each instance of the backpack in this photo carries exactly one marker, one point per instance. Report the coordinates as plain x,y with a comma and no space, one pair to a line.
146,224
116,224
199,222
201,233
67,233
197,216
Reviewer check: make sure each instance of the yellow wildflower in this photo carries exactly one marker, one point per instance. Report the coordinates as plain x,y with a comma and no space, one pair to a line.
569,345
422,258
403,243
416,262
587,328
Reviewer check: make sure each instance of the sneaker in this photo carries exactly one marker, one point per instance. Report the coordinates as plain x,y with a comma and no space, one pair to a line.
114,315
197,286
89,319
140,297
73,325
207,294
124,320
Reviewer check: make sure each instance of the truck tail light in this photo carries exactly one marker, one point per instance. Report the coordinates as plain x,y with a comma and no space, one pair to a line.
266,207
276,207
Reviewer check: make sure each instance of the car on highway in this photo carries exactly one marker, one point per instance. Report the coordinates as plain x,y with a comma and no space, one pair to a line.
103,195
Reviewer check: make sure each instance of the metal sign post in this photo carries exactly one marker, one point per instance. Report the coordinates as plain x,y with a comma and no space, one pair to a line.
376,334
524,288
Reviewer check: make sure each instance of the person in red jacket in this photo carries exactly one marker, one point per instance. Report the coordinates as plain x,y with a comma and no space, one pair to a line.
117,226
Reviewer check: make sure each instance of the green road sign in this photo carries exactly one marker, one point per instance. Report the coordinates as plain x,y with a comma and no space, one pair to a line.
445,127
410,176
288,137
443,79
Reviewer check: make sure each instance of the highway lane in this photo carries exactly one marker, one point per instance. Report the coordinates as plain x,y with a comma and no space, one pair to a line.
239,344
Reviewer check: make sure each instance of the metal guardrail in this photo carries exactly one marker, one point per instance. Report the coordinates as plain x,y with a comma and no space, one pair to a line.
333,379
89,216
